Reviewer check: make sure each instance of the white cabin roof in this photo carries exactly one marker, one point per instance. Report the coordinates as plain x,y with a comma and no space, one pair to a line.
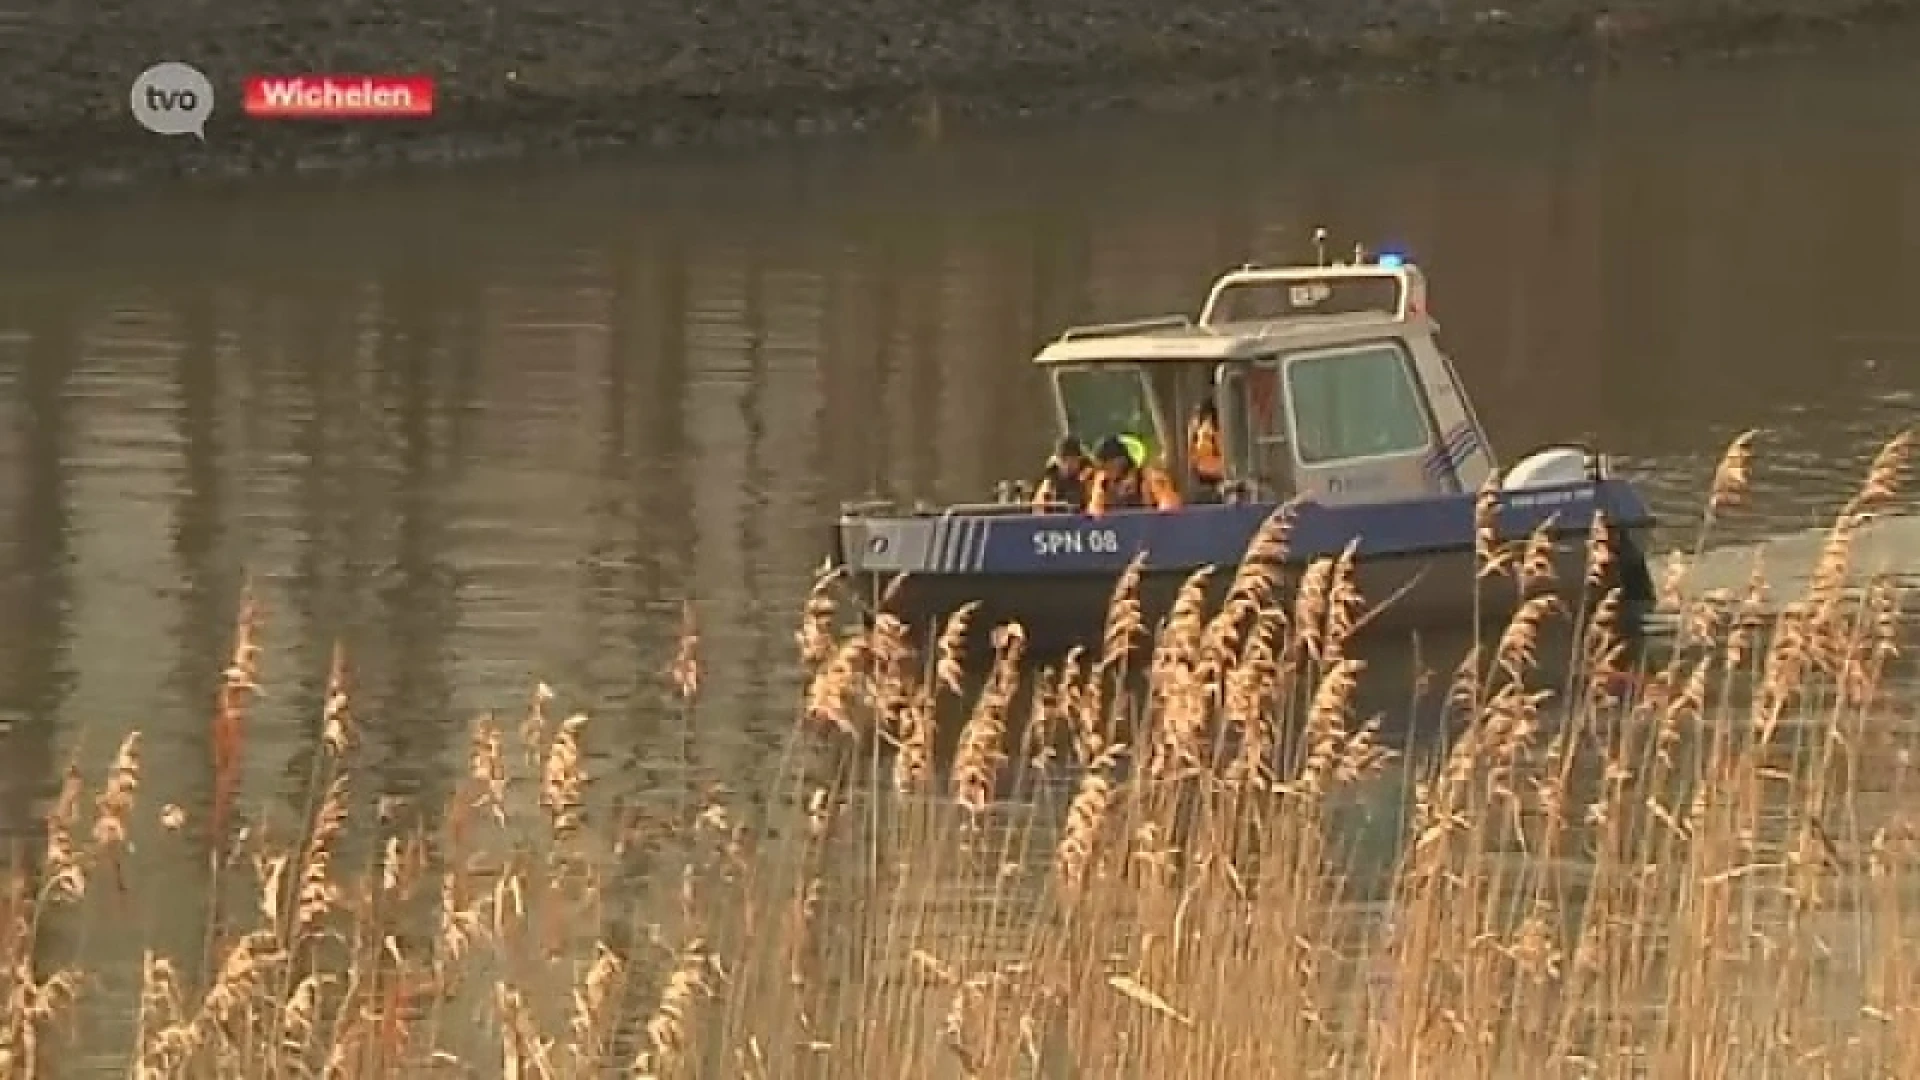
1234,341
1367,301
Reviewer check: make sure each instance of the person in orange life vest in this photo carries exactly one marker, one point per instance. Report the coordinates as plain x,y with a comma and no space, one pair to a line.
1120,484
1068,477
1204,457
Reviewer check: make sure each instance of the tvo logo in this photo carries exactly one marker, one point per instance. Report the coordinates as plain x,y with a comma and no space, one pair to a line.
172,98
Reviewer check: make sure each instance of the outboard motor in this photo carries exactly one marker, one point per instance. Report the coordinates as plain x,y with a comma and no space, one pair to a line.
1560,466
1554,466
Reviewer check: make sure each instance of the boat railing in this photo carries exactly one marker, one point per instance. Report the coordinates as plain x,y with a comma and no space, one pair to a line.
1315,290
985,509
1000,508
1132,326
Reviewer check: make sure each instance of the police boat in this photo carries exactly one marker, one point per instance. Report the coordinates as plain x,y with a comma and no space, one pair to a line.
1333,394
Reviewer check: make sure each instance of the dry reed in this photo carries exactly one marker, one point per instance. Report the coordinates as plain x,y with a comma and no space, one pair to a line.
1706,870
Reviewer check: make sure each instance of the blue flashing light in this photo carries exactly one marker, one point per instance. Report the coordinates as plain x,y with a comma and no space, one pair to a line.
1390,260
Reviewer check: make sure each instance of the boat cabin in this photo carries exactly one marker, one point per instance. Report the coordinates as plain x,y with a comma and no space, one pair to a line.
1328,382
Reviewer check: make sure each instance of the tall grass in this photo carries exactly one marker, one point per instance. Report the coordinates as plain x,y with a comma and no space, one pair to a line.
1700,869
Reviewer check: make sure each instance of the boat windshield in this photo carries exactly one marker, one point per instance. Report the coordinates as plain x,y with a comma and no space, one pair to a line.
1112,399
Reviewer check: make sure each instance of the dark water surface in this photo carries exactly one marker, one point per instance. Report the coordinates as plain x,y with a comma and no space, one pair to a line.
496,428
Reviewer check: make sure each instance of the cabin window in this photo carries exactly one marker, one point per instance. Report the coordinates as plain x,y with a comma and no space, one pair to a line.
1096,402
1354,403
1263,401
1266,419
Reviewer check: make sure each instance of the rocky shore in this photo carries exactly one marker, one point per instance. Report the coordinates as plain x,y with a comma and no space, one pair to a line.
557,77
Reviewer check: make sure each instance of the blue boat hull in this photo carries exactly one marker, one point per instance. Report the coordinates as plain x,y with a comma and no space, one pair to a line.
1055,573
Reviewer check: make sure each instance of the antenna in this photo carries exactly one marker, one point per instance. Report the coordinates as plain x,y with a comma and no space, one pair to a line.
1320,245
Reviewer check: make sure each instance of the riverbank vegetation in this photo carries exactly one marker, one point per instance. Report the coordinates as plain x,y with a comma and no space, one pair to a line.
1701,865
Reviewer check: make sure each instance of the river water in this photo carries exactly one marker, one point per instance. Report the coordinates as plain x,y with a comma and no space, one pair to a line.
495,428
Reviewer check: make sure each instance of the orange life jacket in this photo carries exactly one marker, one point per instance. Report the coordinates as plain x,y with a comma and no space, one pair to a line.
1061,484
1132,490
1204,456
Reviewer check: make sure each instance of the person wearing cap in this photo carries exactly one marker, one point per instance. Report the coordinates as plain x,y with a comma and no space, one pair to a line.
1068,477
1120,484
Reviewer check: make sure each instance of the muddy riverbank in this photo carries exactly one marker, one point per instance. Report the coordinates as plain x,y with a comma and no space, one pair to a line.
562,77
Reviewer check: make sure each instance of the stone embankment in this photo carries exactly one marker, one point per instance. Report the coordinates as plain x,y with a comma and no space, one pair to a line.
559,76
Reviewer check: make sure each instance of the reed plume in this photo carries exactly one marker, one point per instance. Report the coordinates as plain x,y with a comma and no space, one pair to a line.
1730,476
238,685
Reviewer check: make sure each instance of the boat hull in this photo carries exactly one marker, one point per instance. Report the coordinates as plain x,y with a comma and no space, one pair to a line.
1055,575
1400,594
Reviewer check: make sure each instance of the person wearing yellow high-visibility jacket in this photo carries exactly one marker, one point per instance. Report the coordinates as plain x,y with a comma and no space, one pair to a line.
1119,483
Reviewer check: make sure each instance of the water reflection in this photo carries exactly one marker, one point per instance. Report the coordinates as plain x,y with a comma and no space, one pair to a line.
38,582
419,598
326,583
